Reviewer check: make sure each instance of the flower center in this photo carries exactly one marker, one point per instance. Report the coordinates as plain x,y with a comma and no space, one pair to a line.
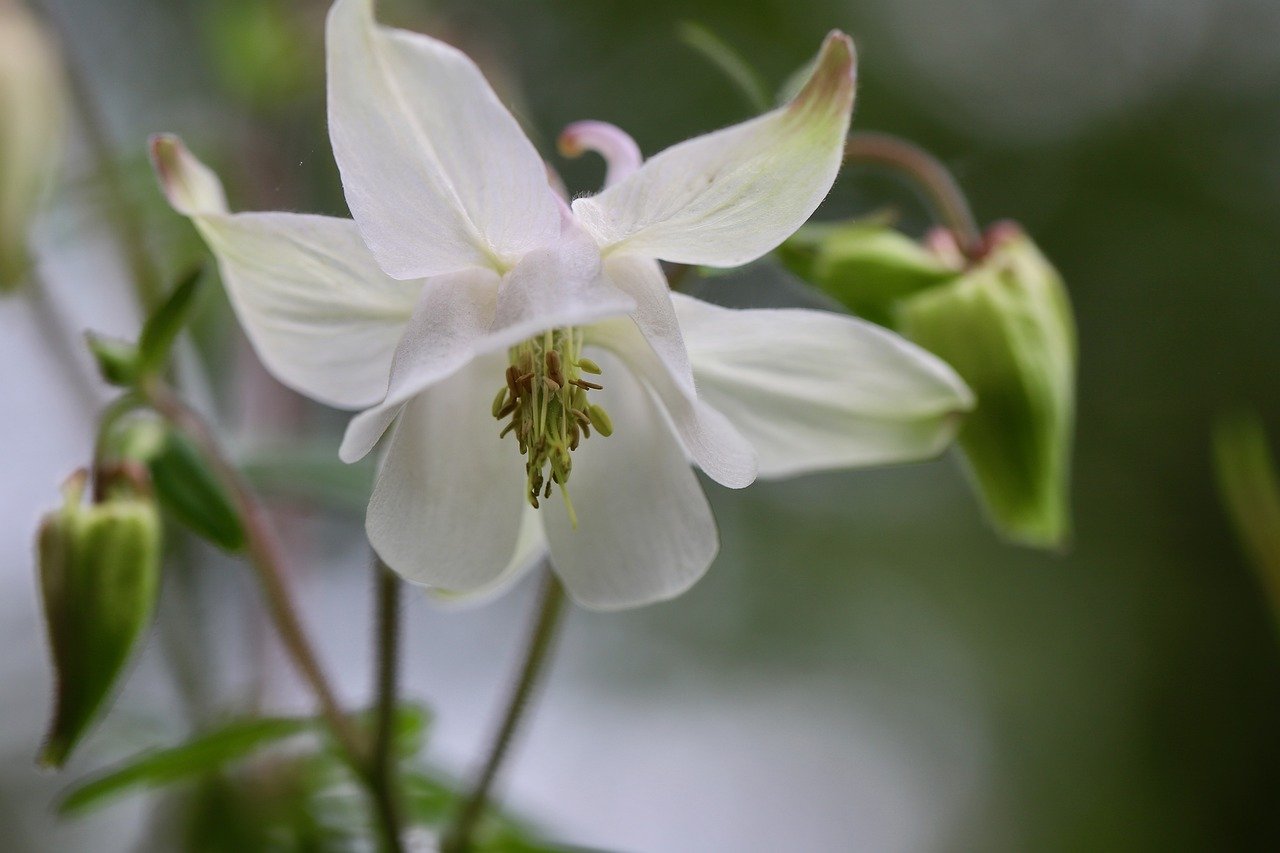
545,398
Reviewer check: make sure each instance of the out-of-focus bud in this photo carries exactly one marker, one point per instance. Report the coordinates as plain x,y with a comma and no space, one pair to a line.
99,569
1006,327
867,266
32,110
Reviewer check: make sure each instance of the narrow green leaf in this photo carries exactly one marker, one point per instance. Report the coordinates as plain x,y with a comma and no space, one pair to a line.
117,359
162,327
188,489
728,61
202,754
1251,494
412,723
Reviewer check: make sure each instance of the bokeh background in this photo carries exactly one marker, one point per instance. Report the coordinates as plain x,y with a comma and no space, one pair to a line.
867,666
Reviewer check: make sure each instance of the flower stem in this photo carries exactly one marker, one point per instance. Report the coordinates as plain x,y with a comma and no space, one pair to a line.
927,172
382,766
541,641
265,556
122,214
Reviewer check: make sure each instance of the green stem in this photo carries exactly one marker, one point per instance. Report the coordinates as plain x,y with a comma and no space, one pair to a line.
382,767
266,557
56,330
541,642
122,214
929,175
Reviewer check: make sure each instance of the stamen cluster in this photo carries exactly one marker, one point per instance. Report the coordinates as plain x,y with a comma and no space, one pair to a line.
545,397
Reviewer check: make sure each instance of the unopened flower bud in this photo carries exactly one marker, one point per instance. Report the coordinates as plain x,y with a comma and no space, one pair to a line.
31,119
1006,327
99,570
866,266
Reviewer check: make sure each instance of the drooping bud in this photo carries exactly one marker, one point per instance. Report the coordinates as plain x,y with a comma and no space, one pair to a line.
99,568
865,265
1006,327
32,107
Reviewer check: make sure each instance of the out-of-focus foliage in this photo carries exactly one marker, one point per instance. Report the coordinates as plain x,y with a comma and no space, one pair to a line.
262,50
256,784
200,755
31,121
1251,495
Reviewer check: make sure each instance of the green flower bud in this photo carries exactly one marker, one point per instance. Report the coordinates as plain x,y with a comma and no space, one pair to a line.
99,570
1006,327
31,119
865,265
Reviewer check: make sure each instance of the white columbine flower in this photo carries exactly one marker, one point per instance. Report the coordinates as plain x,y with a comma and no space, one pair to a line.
464,276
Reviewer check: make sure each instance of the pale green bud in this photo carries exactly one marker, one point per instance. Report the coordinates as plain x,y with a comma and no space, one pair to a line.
32,108
1006,327
865,265
99,567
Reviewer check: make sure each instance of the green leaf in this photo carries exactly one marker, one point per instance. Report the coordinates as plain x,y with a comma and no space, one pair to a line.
867,266
728,61
117,359
99,577
189,490
412,724
162,327
1006,327
200,755
1251,494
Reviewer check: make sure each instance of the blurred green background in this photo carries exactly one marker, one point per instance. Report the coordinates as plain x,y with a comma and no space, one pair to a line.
1124,695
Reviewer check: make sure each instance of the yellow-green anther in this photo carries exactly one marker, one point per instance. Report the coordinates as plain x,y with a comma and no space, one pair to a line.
600,420
546,399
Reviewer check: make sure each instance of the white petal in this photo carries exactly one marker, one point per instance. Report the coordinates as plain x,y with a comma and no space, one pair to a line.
191,187
645,532
436,171
446,507
549,288
814,390
651,345
531,549
726,198
321,315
